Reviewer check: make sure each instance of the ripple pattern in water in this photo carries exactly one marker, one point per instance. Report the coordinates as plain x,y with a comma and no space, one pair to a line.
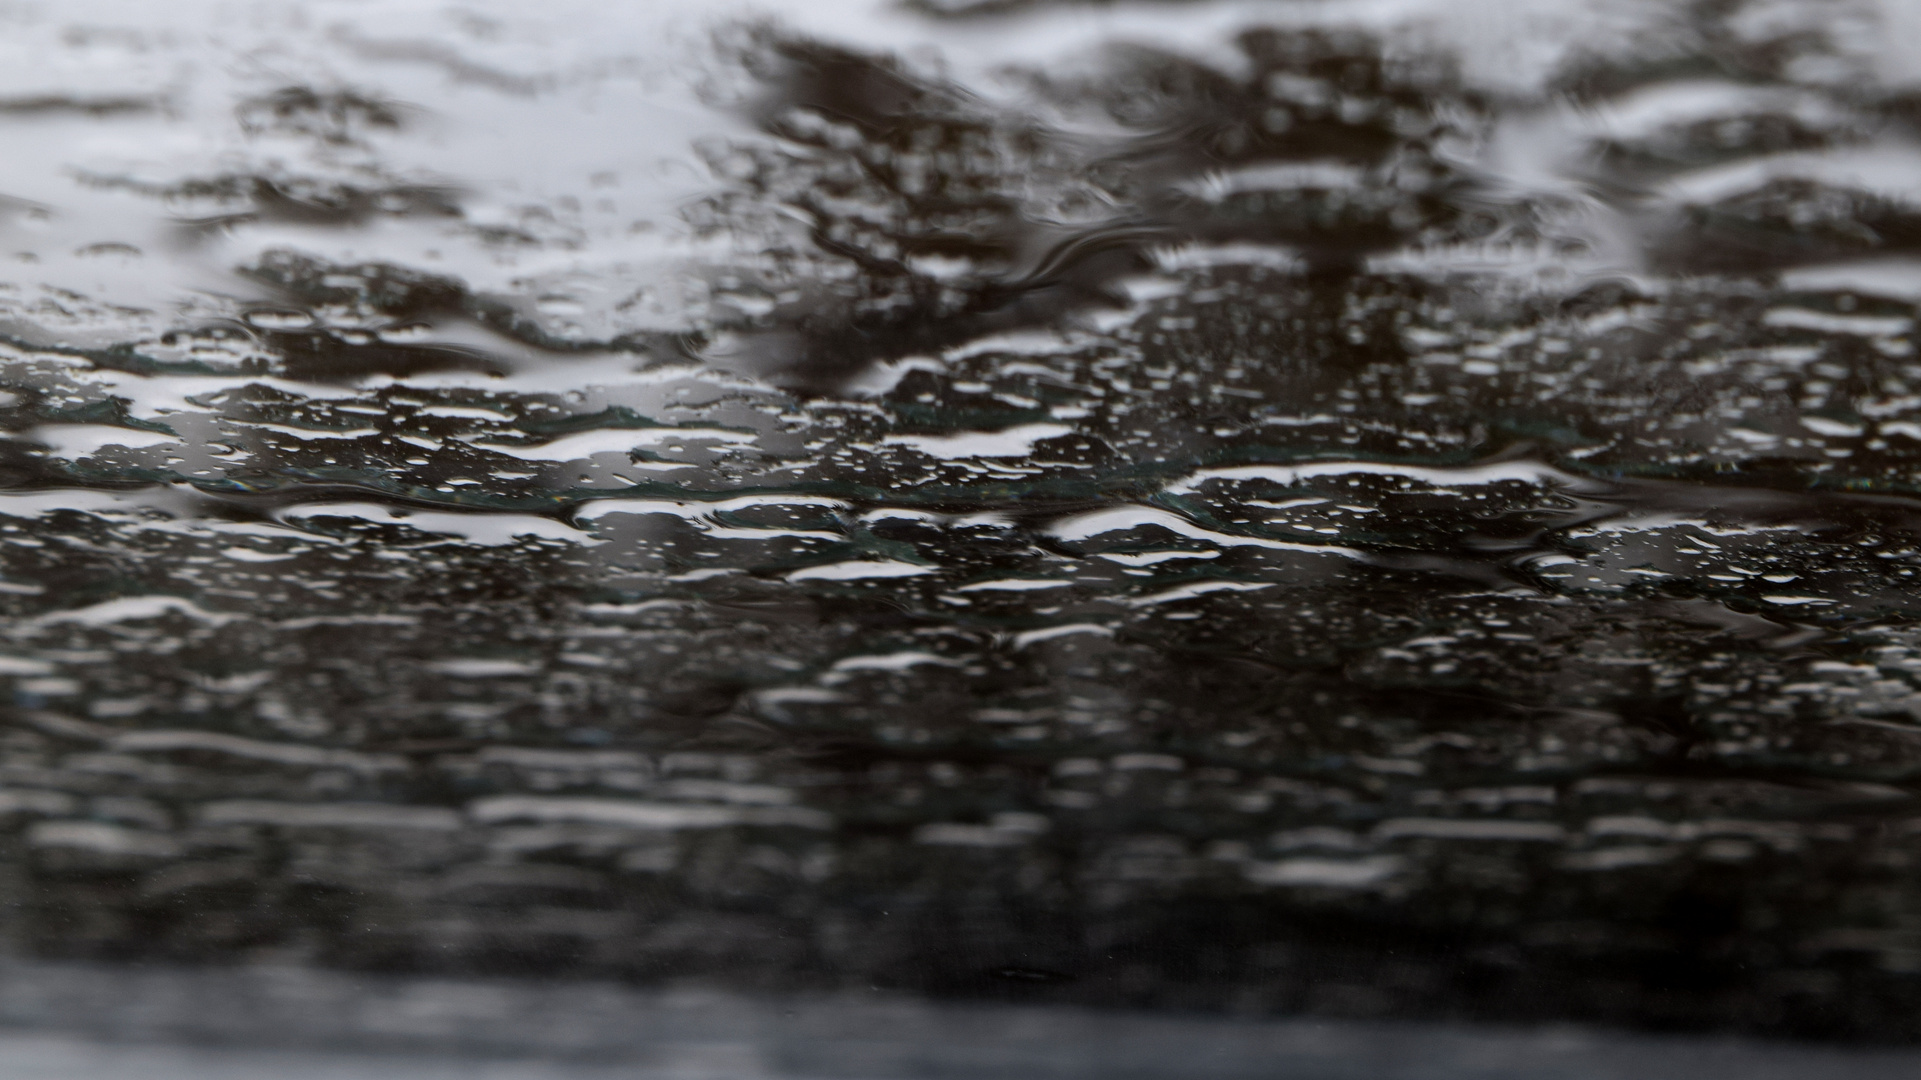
1362,510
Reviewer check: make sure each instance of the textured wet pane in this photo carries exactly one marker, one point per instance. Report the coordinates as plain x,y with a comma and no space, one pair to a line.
1373,511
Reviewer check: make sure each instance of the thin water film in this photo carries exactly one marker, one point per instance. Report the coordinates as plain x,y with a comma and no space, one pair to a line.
1373,510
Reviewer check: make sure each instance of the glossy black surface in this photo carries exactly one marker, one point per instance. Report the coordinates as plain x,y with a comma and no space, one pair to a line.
1357,511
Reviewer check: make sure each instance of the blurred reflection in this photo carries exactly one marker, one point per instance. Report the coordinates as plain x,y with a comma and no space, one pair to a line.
1346,512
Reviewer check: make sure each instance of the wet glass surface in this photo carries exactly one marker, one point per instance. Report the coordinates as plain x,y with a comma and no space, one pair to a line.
1367,510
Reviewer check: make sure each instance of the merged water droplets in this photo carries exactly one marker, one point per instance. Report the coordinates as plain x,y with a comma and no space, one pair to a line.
1286,516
